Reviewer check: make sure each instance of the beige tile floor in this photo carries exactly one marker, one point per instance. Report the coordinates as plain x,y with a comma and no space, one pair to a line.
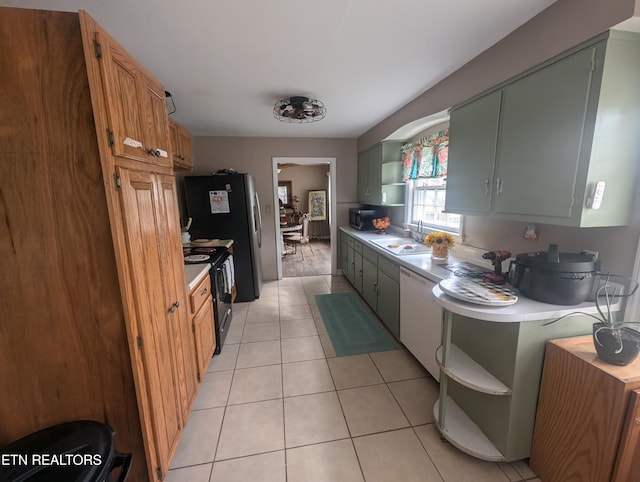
277,405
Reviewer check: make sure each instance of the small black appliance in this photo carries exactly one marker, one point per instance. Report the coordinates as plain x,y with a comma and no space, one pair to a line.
554,277
362,218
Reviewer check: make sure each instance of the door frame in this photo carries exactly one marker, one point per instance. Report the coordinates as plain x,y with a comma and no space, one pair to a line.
333,228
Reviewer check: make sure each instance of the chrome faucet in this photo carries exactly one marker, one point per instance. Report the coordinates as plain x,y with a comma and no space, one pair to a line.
419,232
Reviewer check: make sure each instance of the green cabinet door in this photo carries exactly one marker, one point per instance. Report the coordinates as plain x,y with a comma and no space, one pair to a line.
363,177
370,283
389,303
536,174
357,271
374,175
344,255
473,133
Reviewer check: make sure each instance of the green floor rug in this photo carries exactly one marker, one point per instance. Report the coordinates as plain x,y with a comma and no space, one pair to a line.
352,329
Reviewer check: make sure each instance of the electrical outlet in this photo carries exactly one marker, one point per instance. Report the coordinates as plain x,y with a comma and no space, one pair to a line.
531,233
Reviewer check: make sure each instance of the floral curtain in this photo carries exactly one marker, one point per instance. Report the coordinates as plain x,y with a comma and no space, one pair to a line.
426,157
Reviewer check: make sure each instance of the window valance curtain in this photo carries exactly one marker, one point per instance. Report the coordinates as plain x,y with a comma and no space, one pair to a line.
426,157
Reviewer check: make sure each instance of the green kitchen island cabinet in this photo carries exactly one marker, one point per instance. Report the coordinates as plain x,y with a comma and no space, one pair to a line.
536,146
490,370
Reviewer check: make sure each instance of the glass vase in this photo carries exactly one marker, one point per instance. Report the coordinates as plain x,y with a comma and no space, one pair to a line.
440,251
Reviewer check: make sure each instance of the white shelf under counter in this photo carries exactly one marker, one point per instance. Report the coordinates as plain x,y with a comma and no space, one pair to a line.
466,371
460,430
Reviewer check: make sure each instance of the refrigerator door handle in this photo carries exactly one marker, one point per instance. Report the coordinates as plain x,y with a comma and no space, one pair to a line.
257,219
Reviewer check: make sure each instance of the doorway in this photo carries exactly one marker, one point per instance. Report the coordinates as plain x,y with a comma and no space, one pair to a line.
321,250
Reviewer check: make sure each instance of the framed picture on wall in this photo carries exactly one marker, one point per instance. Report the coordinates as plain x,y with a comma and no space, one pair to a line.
318,205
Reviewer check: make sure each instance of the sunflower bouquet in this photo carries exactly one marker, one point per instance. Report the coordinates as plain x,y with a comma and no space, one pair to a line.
439,242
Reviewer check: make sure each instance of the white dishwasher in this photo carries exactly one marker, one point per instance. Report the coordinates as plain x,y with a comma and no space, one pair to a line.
420,319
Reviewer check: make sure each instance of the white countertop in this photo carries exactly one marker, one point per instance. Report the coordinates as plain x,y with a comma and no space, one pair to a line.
194,273
209,243
524,309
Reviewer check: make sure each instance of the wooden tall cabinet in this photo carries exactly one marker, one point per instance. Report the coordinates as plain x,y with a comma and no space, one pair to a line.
587,424
94,322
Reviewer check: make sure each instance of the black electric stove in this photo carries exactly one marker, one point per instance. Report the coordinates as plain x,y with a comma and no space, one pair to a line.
200,255
221,286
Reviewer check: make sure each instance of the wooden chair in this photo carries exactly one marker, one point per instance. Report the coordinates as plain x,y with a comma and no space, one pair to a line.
298,238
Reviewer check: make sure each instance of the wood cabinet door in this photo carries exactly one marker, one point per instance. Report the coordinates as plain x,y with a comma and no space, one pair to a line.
173,139
175,295
473,134
121,77
627,465
144,228
156,122
185,143
204,335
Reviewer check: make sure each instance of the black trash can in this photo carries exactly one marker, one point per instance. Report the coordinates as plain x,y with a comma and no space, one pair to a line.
79,451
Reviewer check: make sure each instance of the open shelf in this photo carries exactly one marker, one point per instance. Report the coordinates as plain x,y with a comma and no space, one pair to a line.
466,371
464,434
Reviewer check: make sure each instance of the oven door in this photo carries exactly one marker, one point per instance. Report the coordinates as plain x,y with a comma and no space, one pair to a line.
223,277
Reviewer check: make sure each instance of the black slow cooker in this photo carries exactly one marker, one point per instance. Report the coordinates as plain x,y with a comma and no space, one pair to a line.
554,277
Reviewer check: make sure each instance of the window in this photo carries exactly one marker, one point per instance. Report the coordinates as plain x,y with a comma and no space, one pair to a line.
426,203
284,192
424,164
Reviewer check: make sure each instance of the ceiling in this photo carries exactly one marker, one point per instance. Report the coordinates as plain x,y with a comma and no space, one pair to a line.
226,62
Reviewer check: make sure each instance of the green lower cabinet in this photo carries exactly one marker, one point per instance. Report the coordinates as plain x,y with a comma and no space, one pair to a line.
376,278
389,303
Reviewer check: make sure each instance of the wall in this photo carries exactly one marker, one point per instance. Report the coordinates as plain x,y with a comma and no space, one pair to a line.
304,179
559,27
254,154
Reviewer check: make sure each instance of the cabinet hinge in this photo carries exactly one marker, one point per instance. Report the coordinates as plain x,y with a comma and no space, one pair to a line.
198,376
139,340
97,48
117,181
159,473
110,138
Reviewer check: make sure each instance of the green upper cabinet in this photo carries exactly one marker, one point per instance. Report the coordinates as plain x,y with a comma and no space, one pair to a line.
474,127
380,175
534,148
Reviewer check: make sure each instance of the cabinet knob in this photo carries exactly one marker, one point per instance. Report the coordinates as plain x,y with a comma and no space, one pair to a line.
498,186
173,307
204,292
486,187
154,152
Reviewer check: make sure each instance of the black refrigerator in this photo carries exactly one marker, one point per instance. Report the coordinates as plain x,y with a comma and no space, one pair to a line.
226,206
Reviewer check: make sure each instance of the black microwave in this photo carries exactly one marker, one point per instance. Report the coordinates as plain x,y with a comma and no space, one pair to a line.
362,219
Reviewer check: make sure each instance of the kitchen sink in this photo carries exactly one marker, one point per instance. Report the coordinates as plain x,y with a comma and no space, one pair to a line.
401,246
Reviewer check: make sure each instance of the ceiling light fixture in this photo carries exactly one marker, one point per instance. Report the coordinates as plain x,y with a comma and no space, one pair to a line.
299,109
